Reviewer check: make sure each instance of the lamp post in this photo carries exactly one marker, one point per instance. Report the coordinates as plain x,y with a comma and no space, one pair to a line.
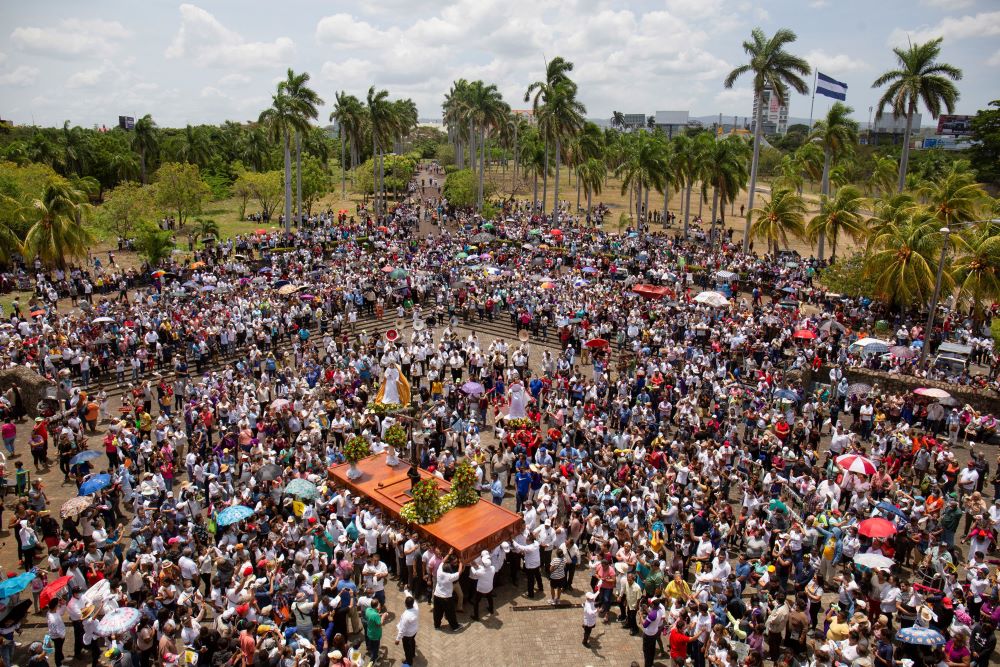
925,350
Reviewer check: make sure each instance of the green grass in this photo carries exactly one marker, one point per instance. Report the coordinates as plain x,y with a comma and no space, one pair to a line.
7,299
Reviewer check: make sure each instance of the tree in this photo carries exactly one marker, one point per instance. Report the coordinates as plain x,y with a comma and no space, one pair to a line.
883,177
57,230
836,134
125,207
314,181
591,174
266,189
618,120
284,117
645,165
976,268
243,190
955,197
145,142
838,215
904,257
461,188
985,148
778,219
380,119
772,68
180,190
154,244
726,168
253,148
306,101
348,127
204,228
918,77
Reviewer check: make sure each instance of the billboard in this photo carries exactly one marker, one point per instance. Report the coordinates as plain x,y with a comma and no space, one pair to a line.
672,117
947,143
126,122
955,125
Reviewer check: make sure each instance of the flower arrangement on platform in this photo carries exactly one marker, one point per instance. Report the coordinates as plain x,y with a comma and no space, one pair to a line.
396,437
383,409
357,448
426,506
518,423
463,484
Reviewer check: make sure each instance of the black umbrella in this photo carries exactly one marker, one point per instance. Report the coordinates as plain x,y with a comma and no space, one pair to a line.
17,612
269,472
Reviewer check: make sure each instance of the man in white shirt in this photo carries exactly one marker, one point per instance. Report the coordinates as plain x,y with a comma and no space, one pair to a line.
406,629
444,592
375,573
483,572
56,628
532,562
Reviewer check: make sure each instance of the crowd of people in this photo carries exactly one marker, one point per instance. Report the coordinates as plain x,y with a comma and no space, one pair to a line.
700,469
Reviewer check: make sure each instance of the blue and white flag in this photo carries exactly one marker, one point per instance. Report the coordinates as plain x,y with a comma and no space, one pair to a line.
830,87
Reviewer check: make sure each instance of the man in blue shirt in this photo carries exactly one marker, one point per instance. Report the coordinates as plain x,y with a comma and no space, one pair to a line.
522,483
496,490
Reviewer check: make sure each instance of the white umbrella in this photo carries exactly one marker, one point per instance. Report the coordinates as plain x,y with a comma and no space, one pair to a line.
103,320
874,561
932,392
714,299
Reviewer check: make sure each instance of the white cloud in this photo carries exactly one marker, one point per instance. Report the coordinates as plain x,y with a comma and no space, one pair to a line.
3,57
819,4
235,79
984,24
72,38
19,76
211,44
994,60
949,5
833,63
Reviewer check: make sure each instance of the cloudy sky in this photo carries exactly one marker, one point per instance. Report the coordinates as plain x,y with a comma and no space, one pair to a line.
213,60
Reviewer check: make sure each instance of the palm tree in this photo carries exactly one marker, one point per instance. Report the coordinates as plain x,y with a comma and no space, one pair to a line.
73,148
836,134
591,174
484,109
955,197
838,215
253,148
145,142
124,165
778,219
976,268
618,120
904,257
57,231
306,102
281,119
772,68
381,119
12,216
883,177
204,228
726,166
685,167
645,166
340,115
564,115
918,77
888,212
533,160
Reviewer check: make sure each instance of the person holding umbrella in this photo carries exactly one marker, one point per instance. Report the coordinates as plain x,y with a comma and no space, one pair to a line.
56,628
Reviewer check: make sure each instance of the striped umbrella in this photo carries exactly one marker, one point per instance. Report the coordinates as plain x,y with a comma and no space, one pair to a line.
856,464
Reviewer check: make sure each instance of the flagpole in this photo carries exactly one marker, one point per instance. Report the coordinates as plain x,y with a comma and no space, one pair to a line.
813,102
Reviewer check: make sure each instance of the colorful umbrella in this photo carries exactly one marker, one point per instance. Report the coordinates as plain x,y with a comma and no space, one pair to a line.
197,265
82,457
932,392
158,274
119,621
874,561
302,488
233,514
52,589
804,334
15,585
397,274
548,285
95,484
892,509
856,464
75,506
597,343
919,636
902,352
859,389
473,388
260,232
876,528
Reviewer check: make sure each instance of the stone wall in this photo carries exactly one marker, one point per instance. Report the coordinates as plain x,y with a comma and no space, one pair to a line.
984,400
30,384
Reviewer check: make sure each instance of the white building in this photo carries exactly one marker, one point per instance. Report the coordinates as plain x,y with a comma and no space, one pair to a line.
775,118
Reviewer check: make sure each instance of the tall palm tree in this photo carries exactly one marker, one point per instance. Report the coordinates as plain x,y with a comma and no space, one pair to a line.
836,134
281,119
570,112
195,145
780,218
918,77
772,67
618,120
685,166
883,177
381,119
533,159
725,167
73,148
13,214
644,167
592,173
903,259
341,115
124,165
296,86
57,230
145,142
840,214
253,148
976,268
955,197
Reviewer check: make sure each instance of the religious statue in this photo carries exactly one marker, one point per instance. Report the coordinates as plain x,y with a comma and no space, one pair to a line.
395,387
518,400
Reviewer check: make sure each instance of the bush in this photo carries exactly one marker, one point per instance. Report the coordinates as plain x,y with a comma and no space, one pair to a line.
847,276
450,169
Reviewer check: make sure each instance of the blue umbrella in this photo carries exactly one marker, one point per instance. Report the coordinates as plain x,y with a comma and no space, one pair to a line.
589,269
15,585
892,509
233,514
279,283
82,457
95,484
302,488
786,394
920,636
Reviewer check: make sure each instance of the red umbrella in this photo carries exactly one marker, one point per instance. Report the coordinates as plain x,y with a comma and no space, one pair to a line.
597,343
804,334
260,232
857,464
37,313
650,291
876,528
556,232
52,589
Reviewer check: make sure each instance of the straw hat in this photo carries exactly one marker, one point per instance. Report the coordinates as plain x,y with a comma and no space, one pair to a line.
523,335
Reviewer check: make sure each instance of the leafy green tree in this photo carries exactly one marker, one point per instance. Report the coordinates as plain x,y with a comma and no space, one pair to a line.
145,142
154,244
315,181
918,77
266,189
592,174
985,148
57,232
461,188
771,67
285,117
180,190
848,276
778,219
125,207
904,257
976,268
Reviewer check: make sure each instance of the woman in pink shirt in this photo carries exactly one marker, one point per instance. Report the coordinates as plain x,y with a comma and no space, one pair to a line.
8,432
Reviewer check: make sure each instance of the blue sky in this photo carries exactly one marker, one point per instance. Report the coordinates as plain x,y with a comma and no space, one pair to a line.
213,60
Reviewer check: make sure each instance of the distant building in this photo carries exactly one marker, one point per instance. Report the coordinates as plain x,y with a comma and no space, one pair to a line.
635,121
775,116
526,114
889,130
672,122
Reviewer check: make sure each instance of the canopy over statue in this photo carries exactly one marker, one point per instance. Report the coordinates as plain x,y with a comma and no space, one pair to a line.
395,387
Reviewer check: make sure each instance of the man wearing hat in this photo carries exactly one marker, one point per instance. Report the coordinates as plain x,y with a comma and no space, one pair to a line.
483,572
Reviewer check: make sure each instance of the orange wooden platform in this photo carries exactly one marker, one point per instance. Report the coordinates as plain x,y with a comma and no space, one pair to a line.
467,530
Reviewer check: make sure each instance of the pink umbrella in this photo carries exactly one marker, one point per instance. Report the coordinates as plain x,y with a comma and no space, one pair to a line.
856,464
931,392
